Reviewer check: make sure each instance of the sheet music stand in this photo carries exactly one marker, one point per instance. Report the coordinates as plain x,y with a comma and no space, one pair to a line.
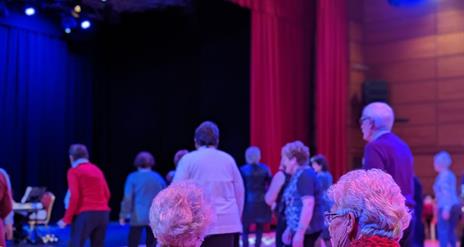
33,194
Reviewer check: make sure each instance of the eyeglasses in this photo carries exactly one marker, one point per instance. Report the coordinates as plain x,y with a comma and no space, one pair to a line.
329,217
362,119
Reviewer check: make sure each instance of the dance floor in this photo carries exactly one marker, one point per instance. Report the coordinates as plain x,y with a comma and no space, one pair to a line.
117,237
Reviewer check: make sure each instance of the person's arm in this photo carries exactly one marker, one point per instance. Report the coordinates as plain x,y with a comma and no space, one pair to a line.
239,188
73,184
373,157
276,185
181,171
305,218
126,204
305,187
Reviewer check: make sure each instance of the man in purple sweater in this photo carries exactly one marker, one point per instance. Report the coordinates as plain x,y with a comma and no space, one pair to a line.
385,150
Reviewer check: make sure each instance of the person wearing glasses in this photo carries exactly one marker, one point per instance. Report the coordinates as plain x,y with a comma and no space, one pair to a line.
386,151
369,210
303,208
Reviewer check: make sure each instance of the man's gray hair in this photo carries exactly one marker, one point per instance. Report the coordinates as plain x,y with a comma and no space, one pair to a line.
381,114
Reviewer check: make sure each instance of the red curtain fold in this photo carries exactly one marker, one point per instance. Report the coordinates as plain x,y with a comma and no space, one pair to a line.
280,74
332,83
282,37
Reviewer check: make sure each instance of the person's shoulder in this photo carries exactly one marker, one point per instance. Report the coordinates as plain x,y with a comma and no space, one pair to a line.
225,155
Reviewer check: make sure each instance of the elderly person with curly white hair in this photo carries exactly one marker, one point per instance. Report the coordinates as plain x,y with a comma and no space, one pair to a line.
447,199
369,210
180,215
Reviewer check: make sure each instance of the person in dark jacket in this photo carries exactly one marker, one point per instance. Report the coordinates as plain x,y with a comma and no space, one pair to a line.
256,177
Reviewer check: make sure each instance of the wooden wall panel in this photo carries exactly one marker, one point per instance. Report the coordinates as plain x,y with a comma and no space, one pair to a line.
417,114
450,66
450,43
451,135
412,70
423,165
355,31
356,53
450,21
451,89
417,135
424,91
451,112
417,48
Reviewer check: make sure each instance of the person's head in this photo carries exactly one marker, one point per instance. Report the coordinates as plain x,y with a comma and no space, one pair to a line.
319,163
179,154
377,116
180,215
207,134
144,159
253,155
78,151
442,161
366,203
294,155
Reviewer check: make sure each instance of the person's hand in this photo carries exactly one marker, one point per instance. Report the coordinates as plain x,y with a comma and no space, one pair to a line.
61,224
287,237
445,214
298,239
122,221
9,231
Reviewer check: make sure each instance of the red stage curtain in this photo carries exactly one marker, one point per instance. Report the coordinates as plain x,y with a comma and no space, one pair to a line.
280,74
332,83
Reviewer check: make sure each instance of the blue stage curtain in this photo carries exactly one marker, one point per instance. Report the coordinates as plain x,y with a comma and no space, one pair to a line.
45,105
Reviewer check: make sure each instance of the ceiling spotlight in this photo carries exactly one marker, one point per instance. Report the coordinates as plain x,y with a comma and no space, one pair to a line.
29,11
85,24
77,9
67,30
104,1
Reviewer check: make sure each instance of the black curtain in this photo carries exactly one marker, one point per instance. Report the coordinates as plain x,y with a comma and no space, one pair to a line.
45,104
159,75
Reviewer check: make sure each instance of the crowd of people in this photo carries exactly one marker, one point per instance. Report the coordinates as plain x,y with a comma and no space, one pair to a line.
210,201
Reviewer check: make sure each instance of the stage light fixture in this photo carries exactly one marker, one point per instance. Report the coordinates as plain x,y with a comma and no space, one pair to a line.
77,9
67,30
85,24
29,11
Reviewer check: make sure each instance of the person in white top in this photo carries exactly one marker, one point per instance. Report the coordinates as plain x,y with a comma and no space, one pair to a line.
217,174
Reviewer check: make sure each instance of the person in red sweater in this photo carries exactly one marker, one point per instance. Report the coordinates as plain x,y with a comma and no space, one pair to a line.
88,211
6,206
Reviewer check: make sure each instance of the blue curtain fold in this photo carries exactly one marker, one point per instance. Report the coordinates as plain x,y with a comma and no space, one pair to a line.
45,105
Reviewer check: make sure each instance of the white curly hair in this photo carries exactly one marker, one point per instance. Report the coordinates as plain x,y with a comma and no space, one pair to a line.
375,199
180,215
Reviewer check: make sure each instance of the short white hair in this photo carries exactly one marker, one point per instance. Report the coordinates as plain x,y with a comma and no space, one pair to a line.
381,114
376,200
180,215
443,159
253,155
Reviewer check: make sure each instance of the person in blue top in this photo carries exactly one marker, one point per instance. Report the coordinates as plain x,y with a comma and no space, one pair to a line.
256,177
303,209
321,167
447,199
140,189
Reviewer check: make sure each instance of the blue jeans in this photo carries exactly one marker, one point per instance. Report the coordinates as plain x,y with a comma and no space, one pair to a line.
446,228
